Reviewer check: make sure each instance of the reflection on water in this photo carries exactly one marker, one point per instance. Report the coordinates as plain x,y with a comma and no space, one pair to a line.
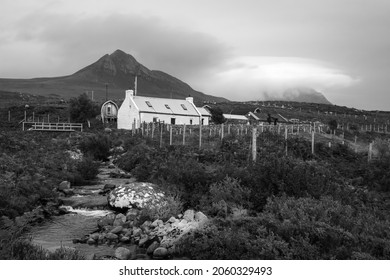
61,230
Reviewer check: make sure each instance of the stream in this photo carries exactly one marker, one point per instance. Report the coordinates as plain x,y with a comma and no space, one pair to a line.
85,207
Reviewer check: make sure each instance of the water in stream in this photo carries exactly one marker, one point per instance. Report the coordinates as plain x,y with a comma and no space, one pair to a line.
61,230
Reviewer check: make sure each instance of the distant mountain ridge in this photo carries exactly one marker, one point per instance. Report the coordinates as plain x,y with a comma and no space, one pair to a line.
113,73
116,72
298,94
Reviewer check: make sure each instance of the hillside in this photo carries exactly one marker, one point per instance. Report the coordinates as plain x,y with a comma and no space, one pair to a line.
116,73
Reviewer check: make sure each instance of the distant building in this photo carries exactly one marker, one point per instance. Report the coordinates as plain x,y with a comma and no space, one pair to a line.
109,111
236,119
138,109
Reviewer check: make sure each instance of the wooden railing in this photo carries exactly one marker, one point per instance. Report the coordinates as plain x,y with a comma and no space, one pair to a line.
60,127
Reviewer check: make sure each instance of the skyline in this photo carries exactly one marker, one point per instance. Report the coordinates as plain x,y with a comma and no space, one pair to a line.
236,50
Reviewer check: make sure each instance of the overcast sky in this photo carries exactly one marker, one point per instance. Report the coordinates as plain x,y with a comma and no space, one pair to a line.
235,49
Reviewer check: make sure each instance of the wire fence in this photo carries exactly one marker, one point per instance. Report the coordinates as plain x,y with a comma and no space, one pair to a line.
258,140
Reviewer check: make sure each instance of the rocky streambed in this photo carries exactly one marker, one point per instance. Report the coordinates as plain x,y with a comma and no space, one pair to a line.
104,221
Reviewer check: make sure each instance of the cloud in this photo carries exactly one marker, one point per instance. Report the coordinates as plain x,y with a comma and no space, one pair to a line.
73,42
250,77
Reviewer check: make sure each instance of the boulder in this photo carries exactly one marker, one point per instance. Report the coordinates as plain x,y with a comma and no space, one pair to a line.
112,236
157,223
120,219
200,218
132,214
134,195
117,230
122,253
160,253
107,188
107,220
172,220
64,185
152,247
189,215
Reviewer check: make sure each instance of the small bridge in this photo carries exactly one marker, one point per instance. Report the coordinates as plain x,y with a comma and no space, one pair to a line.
59,127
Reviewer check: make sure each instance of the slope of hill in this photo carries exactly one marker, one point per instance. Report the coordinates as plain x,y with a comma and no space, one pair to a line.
111,74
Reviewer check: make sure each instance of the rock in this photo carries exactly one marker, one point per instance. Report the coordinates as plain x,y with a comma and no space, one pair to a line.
117,230
152,247
189,215
122,253
64,185
160,253
134,195
120,219
157,223
112,236
201,218
180,216
68,192
107,220
107,129
132,214
124,239
137,231
107,188
91,241
94,236
172,220
143,240
182,225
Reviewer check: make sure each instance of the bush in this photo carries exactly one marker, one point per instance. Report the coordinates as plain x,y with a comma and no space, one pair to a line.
87,168
96,146
225,197
82,108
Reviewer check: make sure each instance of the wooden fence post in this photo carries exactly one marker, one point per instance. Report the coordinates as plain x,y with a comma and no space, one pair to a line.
370,152
312,142
184,134
285,136
152,130
254,144
170,135
200,134
221,131
161,134
228,129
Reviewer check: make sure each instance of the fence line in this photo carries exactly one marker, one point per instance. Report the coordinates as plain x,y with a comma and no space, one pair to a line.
252,136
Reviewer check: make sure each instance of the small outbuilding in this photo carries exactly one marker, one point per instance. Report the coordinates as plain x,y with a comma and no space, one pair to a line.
109,111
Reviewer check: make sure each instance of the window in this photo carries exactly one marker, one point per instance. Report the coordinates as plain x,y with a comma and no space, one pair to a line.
109,109
173,120
148,103
184,106
167,106
190,121
155,119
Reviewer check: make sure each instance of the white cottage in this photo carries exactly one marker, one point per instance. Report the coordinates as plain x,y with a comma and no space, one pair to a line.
138,109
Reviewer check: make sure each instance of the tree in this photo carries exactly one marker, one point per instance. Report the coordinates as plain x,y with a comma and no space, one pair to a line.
217,115
82,108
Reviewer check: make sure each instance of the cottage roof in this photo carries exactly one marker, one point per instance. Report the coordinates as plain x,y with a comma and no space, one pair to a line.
165,106
235,117
203,111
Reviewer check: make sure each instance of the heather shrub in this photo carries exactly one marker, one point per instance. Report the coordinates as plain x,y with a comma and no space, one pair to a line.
96,146
88,168
226,197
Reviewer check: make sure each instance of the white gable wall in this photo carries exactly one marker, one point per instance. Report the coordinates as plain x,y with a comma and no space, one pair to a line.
128,112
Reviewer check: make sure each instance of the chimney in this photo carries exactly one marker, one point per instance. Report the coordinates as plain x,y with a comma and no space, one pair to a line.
190,99
129,93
